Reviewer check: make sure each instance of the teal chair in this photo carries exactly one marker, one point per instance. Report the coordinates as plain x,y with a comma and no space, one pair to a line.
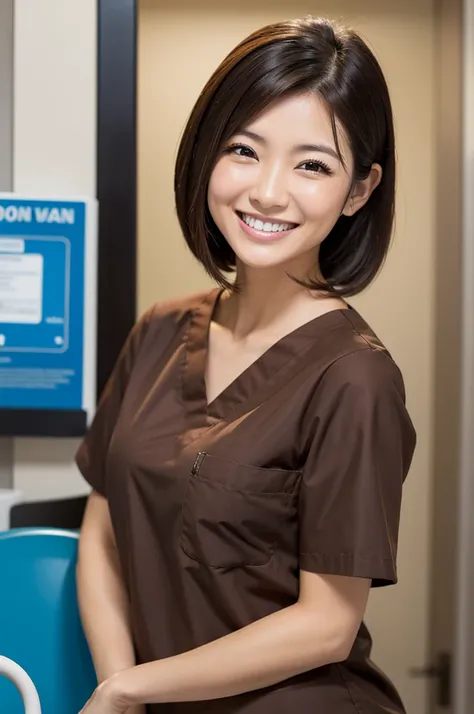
23,683
40,628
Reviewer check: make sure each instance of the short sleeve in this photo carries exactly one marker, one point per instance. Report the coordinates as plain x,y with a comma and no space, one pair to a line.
361,449
92,452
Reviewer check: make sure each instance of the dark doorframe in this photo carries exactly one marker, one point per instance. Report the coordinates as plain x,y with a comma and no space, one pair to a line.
116,178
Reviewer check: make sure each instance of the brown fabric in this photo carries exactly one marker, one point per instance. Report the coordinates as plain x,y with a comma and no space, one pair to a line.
299,463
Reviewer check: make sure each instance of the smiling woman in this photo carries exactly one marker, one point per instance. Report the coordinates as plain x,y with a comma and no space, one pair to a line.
288,186
275,128
248,454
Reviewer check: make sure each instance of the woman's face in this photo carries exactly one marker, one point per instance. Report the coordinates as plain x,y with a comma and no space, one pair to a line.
279,187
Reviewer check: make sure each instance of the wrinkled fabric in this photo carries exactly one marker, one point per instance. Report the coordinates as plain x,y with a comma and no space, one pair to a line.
298,464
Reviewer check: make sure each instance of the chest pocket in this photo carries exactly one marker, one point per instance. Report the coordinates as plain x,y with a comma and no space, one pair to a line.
233,513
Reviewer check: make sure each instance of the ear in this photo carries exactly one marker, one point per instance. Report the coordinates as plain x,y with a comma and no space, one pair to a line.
362,191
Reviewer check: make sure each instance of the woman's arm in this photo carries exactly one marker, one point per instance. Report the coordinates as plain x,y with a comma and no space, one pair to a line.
319,629
103,602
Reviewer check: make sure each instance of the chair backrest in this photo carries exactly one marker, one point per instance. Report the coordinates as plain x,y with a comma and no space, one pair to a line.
66,513
40,628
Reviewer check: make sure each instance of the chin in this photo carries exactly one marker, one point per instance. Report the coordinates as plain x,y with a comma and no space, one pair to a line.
262,262
256,255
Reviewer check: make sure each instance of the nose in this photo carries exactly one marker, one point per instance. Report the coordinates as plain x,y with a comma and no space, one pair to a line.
270,189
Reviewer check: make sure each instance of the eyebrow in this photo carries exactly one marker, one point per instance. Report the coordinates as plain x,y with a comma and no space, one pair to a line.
322,148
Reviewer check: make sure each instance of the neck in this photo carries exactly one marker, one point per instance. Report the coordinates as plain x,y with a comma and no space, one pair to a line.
270,302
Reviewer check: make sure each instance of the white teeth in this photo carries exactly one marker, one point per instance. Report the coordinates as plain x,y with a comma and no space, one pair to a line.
266,227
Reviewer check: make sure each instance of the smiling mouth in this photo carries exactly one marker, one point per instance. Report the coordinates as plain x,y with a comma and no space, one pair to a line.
265,226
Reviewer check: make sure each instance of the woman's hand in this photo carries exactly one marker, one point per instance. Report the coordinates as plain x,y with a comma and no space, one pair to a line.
107,699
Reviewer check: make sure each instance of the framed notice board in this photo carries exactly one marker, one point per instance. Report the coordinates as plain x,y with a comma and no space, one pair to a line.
48,315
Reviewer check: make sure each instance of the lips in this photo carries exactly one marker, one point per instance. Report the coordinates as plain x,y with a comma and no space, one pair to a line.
256,235
265,224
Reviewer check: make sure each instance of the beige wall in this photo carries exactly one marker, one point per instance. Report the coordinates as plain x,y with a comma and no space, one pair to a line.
54,154
448,173
179,48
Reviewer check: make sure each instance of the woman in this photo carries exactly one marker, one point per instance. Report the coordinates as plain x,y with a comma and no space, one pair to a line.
248,454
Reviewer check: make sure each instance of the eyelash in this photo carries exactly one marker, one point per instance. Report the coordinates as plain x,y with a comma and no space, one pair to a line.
322,166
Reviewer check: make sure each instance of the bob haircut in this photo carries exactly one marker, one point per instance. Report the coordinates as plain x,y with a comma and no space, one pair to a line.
281,60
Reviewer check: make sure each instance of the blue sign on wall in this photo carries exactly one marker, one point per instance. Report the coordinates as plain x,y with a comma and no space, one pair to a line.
42,303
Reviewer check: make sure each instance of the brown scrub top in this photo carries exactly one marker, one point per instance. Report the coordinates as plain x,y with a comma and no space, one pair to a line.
299,463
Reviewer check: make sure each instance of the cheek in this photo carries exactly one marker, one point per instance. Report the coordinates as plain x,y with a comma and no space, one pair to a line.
320,200
220,194
218,186
227,182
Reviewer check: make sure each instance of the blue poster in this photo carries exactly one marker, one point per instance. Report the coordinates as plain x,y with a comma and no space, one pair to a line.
43,294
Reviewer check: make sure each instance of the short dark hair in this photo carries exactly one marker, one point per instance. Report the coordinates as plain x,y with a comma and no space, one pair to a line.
277,61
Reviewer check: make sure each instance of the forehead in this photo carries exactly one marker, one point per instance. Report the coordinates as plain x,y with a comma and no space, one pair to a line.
299,119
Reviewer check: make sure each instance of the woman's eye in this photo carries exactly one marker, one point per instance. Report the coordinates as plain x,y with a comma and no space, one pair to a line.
241,150
316,167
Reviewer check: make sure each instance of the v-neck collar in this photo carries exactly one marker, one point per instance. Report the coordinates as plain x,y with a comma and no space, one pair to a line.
270,366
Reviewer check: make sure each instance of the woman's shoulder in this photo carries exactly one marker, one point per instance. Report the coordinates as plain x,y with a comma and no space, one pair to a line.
162,321
361,387
359,360
171,312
